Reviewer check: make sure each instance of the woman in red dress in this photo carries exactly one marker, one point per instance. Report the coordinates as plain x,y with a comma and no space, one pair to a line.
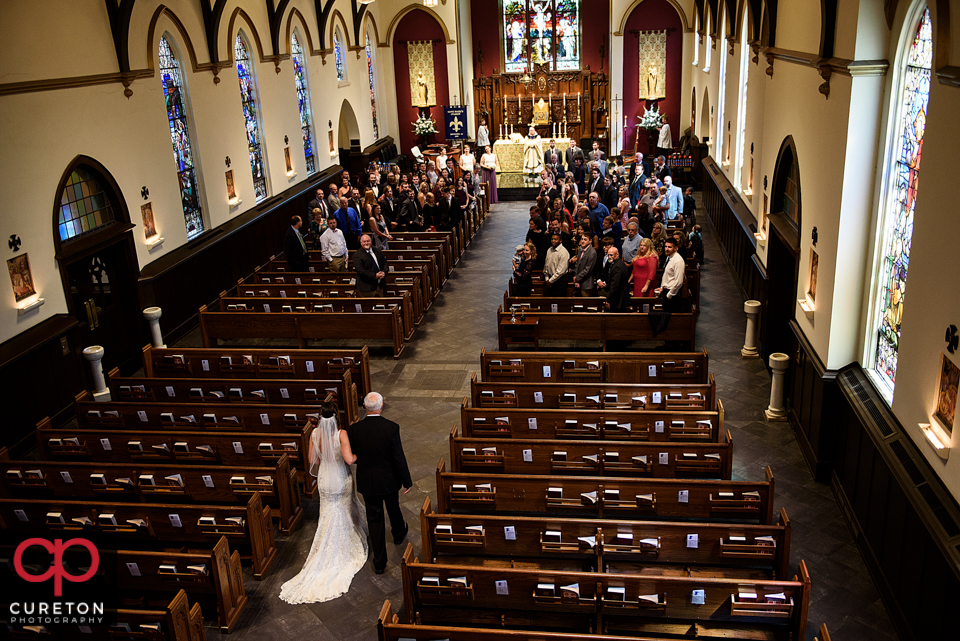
644,270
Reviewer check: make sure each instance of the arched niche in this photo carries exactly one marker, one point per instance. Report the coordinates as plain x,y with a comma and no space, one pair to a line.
786,184
348,132
705,134
417,25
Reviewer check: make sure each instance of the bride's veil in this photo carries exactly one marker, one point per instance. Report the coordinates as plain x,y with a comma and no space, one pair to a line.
327,461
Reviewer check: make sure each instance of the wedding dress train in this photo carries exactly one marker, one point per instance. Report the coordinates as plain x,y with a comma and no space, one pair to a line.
339,546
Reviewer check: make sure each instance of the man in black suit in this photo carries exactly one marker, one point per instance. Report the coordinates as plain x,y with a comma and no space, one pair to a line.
294,248
451,210
318,203
381,470
618,290
596,182
550,151
371,268
555,167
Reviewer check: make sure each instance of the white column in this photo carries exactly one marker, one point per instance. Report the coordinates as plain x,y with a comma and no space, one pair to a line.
94,354
778,365
153,314
752,309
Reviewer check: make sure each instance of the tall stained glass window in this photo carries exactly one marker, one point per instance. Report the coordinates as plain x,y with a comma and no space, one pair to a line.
904,176
543,32
373,90
173,92
251,116
338,56
742,104
303,101
83,205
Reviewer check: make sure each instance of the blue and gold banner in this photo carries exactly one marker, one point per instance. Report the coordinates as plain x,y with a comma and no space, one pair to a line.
455,123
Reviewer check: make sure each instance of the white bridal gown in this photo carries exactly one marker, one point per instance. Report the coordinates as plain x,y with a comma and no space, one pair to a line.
339,547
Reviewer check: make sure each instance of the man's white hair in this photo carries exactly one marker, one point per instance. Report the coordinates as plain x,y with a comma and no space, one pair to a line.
373,402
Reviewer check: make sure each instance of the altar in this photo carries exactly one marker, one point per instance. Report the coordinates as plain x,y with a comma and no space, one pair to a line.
510,153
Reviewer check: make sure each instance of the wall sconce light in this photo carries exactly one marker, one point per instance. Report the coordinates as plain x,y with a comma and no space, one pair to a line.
155,242
952,339
936,441
761,239
330,124
814,236
807,307
30,307
751,149
144,192
764,182
286,139
14,242
227,160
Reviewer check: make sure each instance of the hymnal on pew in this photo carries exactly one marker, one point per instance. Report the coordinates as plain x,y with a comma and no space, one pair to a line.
588,497
555,492
587,541
616,593
54,517
443,529
147,479
98,479
545,589
107,519
570,593
175,480
611,495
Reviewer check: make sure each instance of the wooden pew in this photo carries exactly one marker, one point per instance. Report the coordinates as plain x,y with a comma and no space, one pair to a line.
279,305
449,239
426,265
268,363
646,603
406,245
617,425
690,289
408,294
176,621
238,390
657,396
591,458
302,327
168,415
754,550
128,482
599,367
603,327
348,279
146,525
700,499
155,576
202,448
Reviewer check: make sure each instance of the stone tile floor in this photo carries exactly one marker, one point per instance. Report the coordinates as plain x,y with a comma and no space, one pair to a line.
423,391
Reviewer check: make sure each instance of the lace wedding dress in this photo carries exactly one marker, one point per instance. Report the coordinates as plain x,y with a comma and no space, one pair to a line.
339,547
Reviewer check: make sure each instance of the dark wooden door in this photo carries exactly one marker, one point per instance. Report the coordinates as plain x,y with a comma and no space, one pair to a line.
782,288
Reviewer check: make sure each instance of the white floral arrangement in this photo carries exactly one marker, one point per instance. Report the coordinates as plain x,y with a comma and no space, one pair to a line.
651,119
424,126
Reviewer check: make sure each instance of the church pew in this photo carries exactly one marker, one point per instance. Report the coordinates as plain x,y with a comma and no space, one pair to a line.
591,458
449,239
763,609
379,325
390,628
570,304
699,499
600,367
283,305
641,396
444,261
690,289
202,448
209,485
408,293
146,525
603,327
176,621
753,548
146,578
425,268
617,425
224,417
238,390
349,279
264,363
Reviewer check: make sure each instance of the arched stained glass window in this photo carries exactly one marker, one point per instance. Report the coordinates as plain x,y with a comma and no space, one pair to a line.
541,32
902,183
303,101
251,116
373,90
174,90
338,55
83,205
742,104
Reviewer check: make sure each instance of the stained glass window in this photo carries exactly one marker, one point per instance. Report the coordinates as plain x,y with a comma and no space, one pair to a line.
338,56
373,91
543,32
303,101
248,98
901,200
173,92
83,205
742,104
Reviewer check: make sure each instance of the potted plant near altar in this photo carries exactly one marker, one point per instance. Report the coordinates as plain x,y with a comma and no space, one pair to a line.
651,121
424,128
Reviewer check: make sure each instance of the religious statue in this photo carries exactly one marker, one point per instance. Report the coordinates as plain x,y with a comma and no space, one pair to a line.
653,86
541,113
421,90
532,153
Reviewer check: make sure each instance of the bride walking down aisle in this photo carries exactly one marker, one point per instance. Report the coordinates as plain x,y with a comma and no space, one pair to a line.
339,547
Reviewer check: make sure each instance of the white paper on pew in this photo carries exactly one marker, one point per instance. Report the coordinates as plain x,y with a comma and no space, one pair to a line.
658,427
170,391
546,371
683,496
265,419
538,397
66,477
205,365
297,280
532,423
175,520
359,308
509,533
663,458
134,569
21,515
266,307
553,308
238,447
528,456
207,480
284,393
309,366
502,587
698,597
657,398
142,416
693,541
105,442
652,371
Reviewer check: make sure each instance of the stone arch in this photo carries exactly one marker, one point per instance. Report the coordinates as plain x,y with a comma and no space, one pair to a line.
391,29
232,31
304,29
687,25
183,38
348,129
